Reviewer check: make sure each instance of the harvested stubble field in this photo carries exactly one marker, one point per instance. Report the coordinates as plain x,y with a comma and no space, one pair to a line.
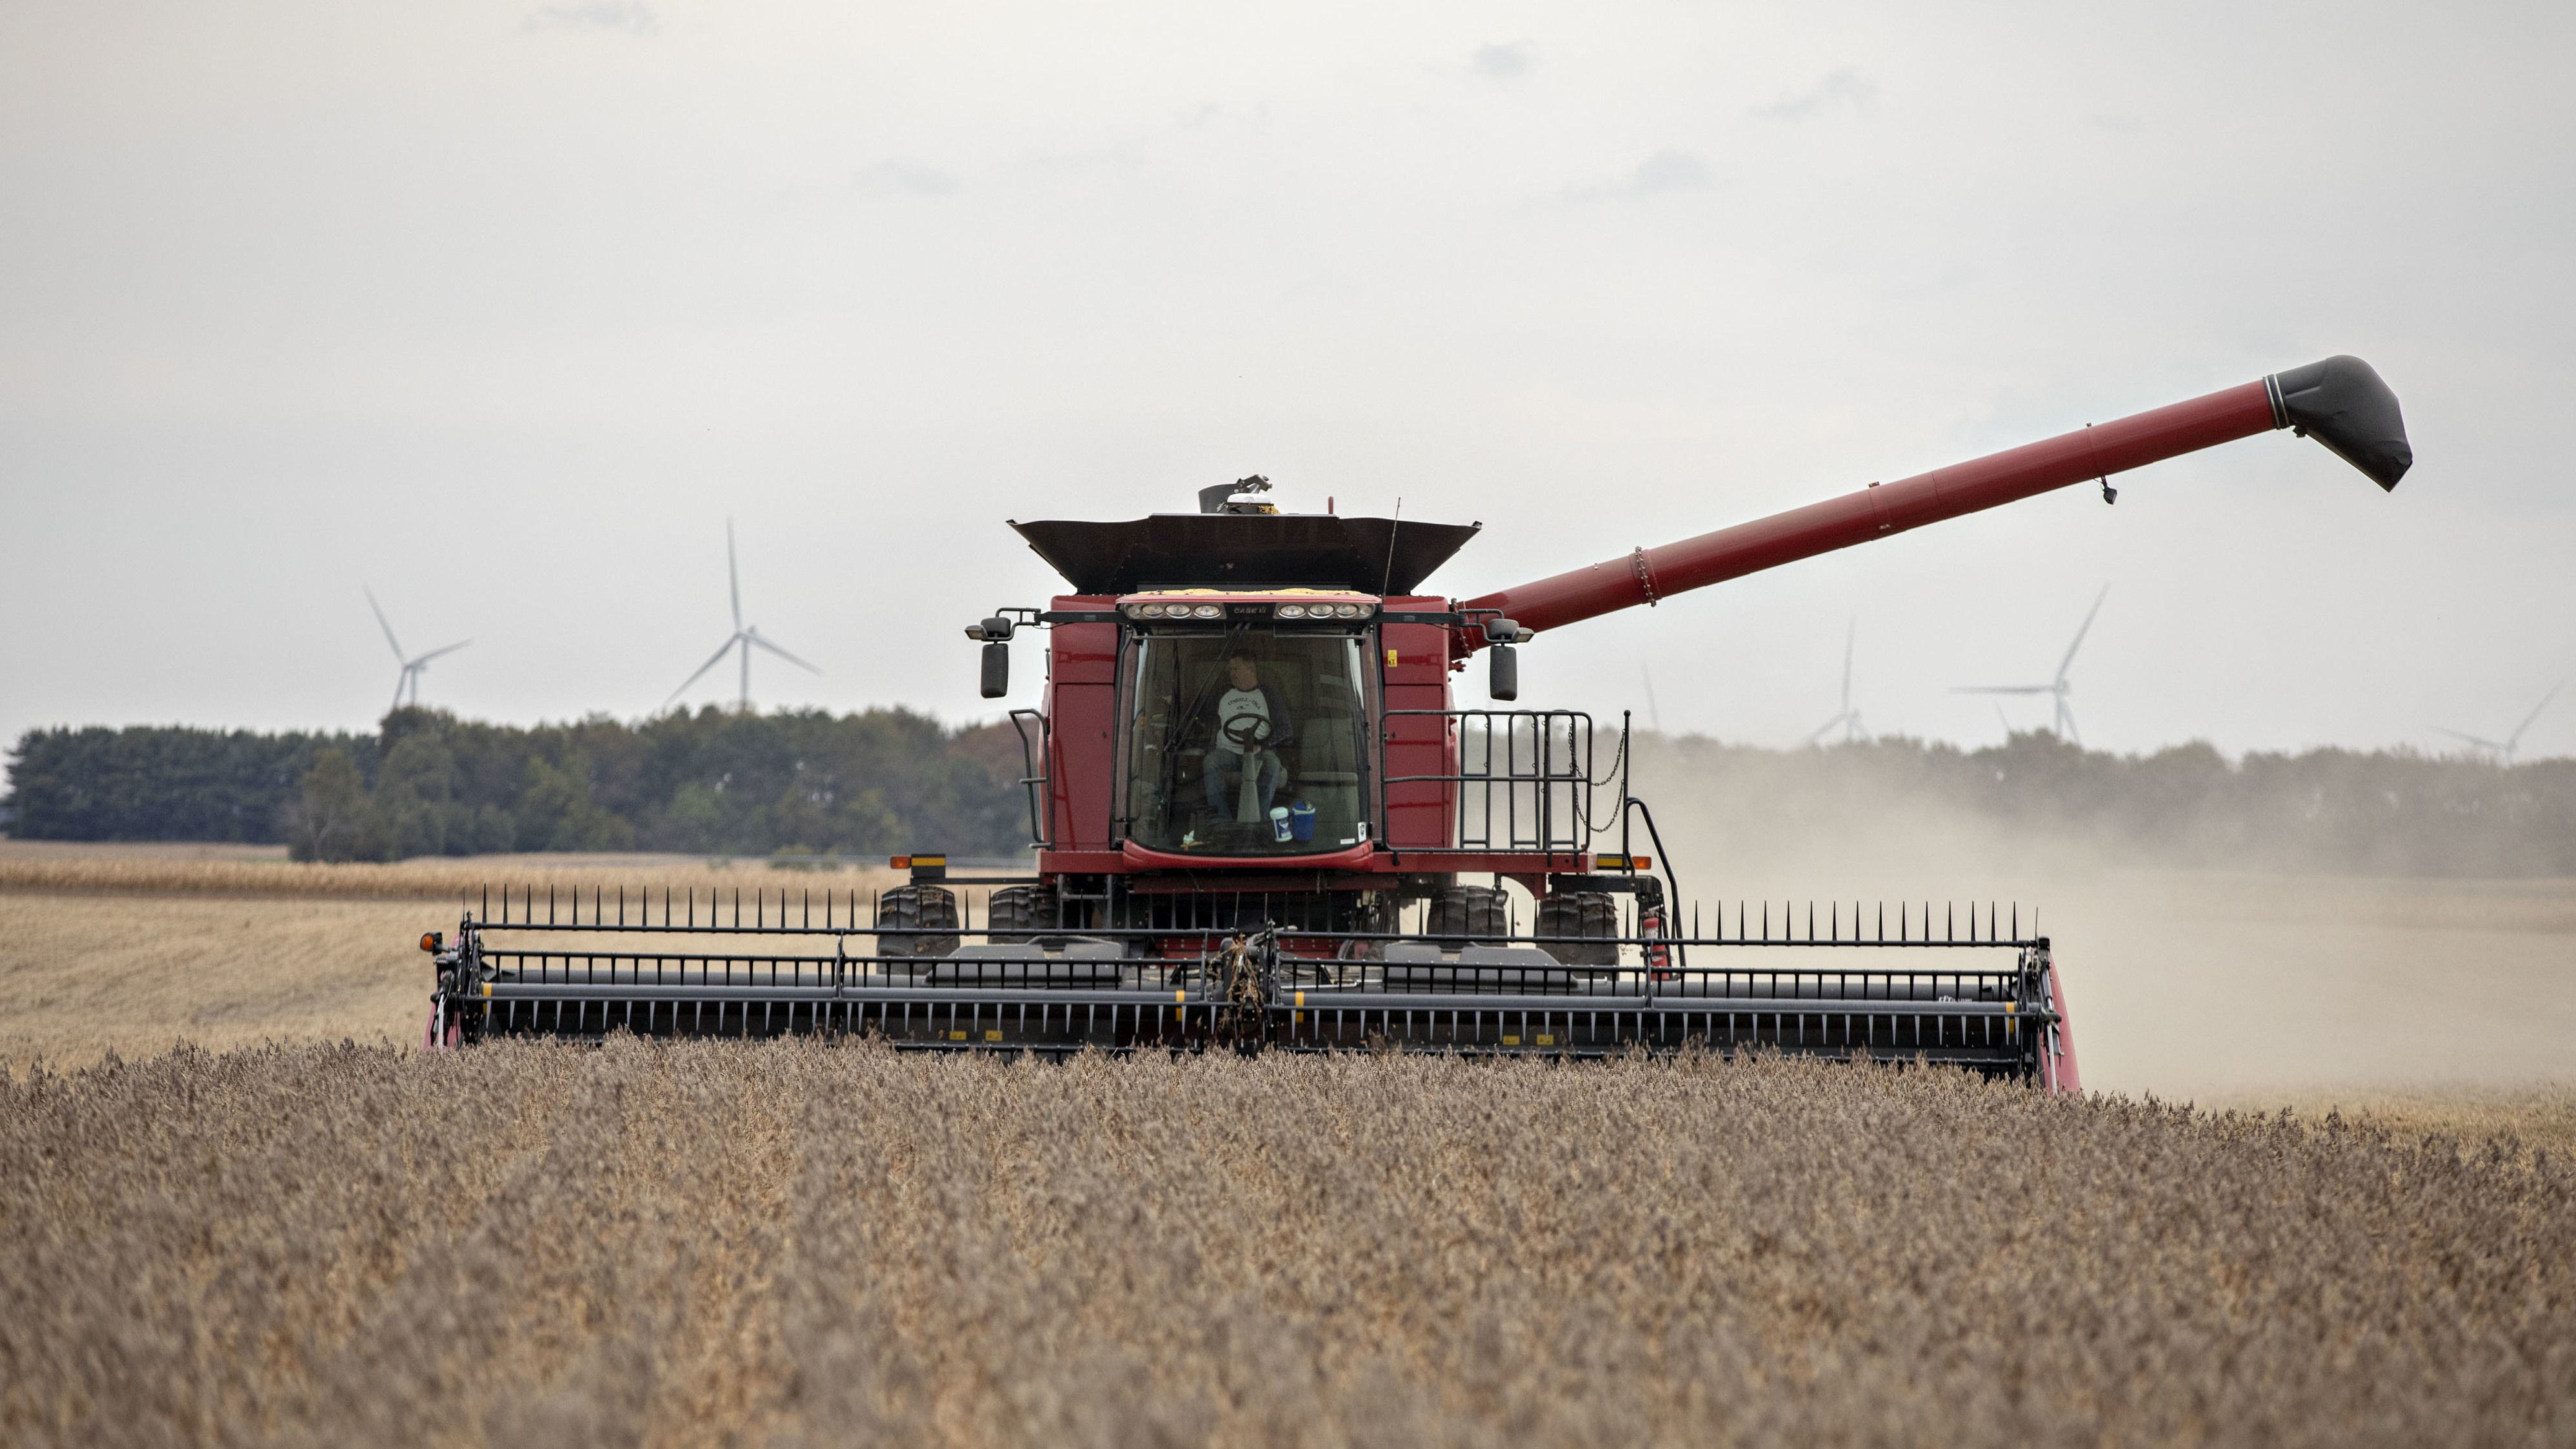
2232,987
256,873
132,949
800,1244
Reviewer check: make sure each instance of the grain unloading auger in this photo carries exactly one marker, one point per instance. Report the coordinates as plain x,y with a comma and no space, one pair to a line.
1258,814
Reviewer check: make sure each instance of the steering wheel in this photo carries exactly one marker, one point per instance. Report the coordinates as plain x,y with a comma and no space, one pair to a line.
1244,731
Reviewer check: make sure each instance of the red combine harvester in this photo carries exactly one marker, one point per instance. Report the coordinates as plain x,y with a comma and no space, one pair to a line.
1260,818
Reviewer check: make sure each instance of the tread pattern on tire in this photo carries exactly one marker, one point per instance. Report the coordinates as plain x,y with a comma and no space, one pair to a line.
1018,912
1580,913
1480,913
929,907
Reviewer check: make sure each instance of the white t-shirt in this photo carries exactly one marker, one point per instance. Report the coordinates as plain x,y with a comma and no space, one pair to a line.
1236,704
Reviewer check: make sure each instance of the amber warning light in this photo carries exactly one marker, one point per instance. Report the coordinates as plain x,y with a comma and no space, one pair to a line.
431,940
924,868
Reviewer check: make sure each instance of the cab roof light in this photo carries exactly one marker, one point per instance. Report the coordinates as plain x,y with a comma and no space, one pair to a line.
1154,608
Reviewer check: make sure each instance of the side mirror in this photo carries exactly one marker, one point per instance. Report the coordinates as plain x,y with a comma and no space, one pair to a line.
997,669
1505,680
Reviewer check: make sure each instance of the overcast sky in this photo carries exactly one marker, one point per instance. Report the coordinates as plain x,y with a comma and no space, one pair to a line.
502,309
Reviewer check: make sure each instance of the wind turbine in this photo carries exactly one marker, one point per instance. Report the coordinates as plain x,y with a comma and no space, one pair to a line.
412,669
2503,749
745,637
2059,687
1849,719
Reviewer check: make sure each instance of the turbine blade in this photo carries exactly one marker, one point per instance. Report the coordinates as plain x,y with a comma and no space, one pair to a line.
712,661
434,653
2516,737
754,636
380,622
2069,661
2005,689
733,577
1819,732
2478,740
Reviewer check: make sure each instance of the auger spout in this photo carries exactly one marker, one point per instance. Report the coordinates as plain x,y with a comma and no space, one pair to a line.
2341,402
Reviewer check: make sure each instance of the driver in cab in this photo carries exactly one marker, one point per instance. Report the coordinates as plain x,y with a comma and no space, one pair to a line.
1248,725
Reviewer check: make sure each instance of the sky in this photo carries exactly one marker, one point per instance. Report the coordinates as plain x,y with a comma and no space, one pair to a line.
502,310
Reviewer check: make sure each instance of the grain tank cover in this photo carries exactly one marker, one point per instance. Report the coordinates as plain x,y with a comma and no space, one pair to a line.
1241,550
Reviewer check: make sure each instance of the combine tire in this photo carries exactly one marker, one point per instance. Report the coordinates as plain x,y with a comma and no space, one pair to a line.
1580,913
931,907
1019,912
1480,913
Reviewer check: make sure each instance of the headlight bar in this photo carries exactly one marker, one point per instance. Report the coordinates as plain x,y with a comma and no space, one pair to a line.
1199,607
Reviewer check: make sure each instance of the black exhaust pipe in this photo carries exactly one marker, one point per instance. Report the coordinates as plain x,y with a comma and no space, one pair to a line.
2341,403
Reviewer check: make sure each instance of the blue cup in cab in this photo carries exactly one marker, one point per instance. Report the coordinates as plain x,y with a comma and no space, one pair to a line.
1279,822
1301,821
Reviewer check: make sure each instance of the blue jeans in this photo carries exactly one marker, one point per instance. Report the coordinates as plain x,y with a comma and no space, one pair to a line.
1225,780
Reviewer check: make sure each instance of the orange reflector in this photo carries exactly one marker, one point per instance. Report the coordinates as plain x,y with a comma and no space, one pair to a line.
900,862
429,940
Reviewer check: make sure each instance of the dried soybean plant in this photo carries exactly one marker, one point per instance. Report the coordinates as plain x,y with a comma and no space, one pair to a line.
804,1244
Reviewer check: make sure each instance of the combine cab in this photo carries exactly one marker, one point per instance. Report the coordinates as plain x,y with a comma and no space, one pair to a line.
1262,822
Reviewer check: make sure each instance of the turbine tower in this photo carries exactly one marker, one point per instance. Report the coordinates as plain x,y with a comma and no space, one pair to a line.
1849,719
412,669
2058,688
2503,749
746,637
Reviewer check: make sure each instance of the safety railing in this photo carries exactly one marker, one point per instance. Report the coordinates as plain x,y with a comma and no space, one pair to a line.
1523,777
1034,780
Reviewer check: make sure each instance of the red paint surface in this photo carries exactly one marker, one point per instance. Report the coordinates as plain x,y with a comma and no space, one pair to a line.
1080,862
1351,870
1871,513
1139,858
1418,815
1081,744
2062,1076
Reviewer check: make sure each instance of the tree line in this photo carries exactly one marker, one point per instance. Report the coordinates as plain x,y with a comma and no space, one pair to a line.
889,780
427,783
2378,812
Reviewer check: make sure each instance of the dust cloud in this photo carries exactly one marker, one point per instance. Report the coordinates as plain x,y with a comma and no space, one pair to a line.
2201,963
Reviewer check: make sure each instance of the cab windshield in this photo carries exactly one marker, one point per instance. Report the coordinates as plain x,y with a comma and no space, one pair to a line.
1246,741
